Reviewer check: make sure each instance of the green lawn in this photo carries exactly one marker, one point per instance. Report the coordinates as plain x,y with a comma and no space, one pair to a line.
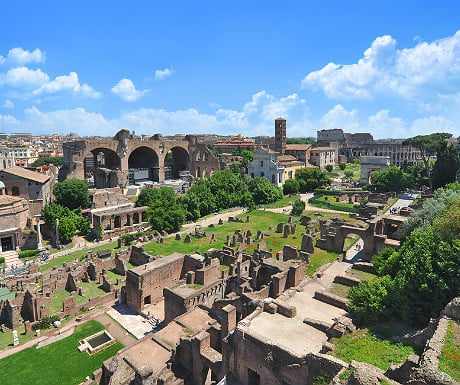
259,219
6,339
328,202
283,202
449,361
58,363
362,346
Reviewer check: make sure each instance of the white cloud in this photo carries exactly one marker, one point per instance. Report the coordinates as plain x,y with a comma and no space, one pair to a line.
249,121
21,56
23,77
8,104
126,90
421,72
67,83
339,117
162,74
382,125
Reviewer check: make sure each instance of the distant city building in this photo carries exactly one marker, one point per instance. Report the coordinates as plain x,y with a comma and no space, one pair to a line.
322,157
363,144
238,143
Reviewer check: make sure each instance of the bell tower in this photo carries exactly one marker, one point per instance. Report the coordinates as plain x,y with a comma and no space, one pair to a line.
280,135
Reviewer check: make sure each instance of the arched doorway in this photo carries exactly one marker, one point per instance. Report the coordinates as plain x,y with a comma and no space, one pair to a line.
99,166
352,247
143,165
176,160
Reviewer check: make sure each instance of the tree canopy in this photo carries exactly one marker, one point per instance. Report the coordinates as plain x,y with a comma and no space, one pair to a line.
55,160
311,179
391,179
72,193
428,146
446,166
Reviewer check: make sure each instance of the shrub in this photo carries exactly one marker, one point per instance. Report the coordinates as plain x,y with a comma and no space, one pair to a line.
298,207
342,166
329,168
291,186
2,259
28,253
46,322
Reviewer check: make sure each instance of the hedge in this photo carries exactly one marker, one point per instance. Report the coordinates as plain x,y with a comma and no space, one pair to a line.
28,253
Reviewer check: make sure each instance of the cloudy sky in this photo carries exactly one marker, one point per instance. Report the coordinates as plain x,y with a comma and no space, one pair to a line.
391,68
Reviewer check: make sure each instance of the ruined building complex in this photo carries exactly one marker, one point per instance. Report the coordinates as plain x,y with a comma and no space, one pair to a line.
126,159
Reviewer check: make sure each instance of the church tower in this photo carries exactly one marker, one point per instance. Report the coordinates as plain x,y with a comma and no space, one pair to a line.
280,135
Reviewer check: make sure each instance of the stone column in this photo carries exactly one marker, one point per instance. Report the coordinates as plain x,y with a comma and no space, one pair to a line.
58,241
39,234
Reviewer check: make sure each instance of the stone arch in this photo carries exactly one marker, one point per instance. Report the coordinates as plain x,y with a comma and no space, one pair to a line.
177,159
100,166
143,165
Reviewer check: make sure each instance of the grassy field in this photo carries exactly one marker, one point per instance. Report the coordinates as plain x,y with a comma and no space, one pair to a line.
6,339
449,361
285,201
362,346
328,202
58,363
260,220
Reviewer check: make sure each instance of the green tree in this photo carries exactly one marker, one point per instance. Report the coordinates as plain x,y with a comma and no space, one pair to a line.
165,211
311,178
298,207
248,156
55,160
428,146
446,166
263,192
67,229
72,193
391,179
291,186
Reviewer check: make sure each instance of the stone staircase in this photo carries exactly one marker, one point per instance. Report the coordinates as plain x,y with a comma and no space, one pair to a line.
11,258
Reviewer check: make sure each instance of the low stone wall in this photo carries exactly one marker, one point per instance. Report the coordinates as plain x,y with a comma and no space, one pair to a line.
332,299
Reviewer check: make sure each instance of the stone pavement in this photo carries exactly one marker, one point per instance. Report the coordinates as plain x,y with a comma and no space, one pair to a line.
134,323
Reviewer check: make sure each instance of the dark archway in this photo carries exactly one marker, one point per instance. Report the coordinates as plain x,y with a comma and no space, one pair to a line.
176,160
143,165
100,158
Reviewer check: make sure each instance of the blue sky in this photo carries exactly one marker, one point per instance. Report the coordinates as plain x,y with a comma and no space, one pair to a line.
93,67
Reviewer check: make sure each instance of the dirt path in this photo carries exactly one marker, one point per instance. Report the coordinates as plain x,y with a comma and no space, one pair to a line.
213,219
